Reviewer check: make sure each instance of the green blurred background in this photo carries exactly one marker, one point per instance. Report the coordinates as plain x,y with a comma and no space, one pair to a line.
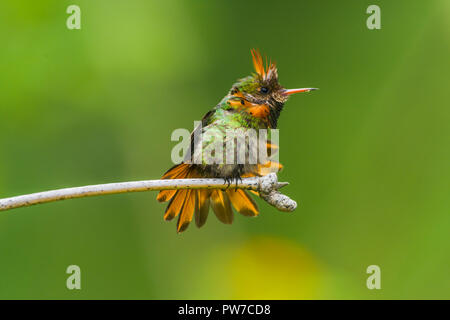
367,156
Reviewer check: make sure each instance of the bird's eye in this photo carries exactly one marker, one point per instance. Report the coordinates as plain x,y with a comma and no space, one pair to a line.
264,90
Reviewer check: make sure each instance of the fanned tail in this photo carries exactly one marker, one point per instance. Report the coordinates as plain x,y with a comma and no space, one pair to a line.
184,203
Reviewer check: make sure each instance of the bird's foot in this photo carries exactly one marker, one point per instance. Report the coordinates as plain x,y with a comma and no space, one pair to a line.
228,182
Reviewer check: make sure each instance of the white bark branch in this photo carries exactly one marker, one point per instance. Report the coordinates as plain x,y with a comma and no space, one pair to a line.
267,187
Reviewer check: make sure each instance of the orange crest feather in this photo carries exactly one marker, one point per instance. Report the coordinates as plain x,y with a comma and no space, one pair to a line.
259,64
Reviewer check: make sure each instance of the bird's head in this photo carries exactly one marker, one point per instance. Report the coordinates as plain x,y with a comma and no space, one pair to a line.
261,94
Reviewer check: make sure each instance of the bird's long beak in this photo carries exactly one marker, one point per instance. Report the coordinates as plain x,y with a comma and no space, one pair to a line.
292,91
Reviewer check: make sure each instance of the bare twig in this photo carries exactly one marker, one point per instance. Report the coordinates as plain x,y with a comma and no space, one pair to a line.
267,187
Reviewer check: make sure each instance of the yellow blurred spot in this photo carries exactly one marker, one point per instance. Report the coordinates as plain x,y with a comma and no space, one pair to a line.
272,268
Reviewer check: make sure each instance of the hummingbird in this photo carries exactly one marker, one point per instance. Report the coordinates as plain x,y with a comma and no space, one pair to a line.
254,102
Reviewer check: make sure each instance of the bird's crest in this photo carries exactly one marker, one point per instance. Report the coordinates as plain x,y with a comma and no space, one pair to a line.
269,71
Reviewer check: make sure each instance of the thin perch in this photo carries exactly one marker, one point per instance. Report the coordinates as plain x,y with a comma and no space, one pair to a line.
267,186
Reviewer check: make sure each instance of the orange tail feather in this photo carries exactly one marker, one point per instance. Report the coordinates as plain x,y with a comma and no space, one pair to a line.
221,206
175,205
187,211
242,202
202,207
180,171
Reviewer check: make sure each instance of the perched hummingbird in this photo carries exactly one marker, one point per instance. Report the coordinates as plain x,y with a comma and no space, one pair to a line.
254,102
